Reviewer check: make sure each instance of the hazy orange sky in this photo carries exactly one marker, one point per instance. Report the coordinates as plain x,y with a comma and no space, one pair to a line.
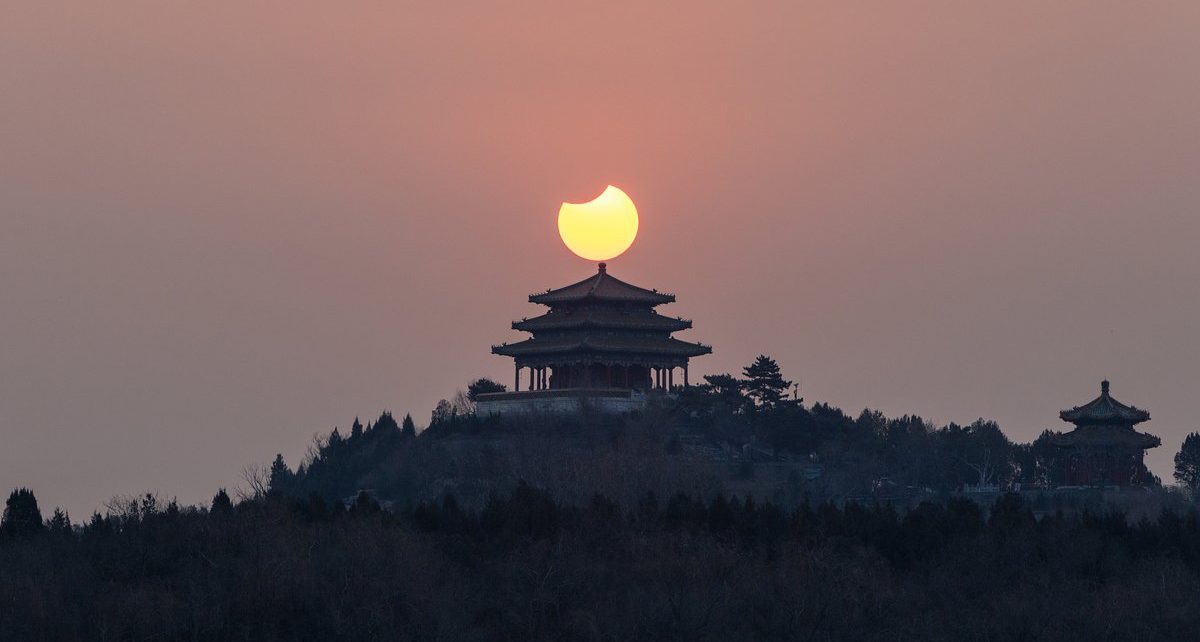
225,227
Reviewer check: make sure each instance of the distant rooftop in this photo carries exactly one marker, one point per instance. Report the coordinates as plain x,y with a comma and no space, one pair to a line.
1104,410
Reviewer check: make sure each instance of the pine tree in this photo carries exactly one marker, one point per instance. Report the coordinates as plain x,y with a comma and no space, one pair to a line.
386,424
764,383
727,390
356,429
221,503
21,514
482,386
1187,462
408,430
59,523
281,476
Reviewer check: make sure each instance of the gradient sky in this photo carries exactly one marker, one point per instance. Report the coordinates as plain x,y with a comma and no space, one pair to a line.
224,227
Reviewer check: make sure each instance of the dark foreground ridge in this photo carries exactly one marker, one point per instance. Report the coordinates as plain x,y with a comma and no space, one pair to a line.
527,567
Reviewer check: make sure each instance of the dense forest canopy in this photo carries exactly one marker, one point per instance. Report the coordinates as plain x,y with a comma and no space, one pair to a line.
528,566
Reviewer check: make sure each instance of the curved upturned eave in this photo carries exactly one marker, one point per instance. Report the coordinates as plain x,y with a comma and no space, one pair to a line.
637,323
1106,435
659,347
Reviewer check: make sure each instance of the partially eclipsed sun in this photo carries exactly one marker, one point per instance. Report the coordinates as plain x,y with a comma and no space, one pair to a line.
600,229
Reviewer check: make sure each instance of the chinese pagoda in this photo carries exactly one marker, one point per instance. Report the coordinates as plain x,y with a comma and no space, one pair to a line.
600,334
1104,449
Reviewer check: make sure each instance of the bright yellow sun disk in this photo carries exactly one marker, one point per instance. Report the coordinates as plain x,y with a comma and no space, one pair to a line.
600,229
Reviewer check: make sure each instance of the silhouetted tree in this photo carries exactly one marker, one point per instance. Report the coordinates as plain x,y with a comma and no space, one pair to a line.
482,386
356,429
364,505
59,523
462,404
21,514
1187,462
726,391
444,411
1040,462
764,383
408,429
1010,512
221,504
985,452
282,479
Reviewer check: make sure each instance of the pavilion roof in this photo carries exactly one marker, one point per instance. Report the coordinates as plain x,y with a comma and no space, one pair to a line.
1106,435
1104,410
602,286
615,319
586,344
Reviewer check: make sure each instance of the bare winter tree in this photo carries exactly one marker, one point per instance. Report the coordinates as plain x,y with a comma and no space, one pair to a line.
258,481
984,469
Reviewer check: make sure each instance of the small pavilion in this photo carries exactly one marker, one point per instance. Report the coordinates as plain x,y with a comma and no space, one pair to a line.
1104,449
601,333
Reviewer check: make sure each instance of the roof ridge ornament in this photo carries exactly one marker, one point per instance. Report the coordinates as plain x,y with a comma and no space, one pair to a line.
1104,387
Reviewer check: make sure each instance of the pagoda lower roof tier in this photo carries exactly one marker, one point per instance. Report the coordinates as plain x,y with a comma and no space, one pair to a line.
630,345
1104,410
1106,436
602,287
614,319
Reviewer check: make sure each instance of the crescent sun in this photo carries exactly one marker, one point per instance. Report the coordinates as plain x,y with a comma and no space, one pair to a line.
600,229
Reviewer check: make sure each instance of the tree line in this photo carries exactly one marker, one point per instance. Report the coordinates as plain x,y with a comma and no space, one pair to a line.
528,566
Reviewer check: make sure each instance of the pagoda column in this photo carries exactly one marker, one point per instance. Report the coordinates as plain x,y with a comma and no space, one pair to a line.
671,378
531,377
685,376
517,379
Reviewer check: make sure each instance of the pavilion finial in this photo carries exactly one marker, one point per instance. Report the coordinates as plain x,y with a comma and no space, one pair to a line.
602,267
1104,387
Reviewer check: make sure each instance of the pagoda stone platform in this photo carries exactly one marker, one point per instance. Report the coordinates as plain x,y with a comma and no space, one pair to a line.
560,401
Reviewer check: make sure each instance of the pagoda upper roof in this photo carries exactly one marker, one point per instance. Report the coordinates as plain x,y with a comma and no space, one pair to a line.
616,319
601,286
624,344
1104,410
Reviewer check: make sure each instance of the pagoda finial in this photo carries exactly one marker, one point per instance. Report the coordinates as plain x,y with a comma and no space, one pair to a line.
1104,387
602,267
